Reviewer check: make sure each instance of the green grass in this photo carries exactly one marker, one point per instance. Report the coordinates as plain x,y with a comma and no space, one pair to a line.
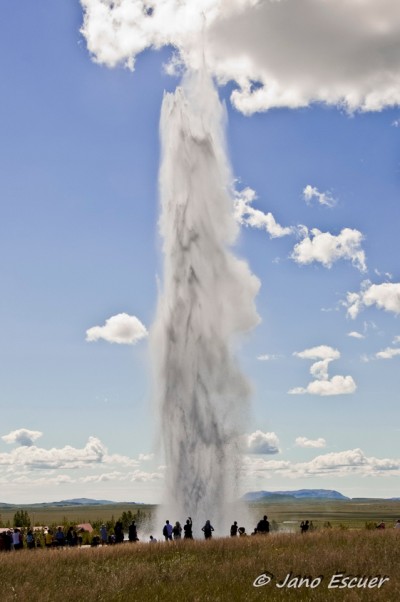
217,571
348,513
56,515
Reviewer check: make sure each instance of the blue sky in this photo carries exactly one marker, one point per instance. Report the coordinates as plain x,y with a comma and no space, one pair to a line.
79,155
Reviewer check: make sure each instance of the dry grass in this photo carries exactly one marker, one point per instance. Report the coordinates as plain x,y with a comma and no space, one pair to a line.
218,570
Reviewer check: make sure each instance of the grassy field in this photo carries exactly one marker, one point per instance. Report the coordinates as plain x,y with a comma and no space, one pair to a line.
217,571
346,513
58,515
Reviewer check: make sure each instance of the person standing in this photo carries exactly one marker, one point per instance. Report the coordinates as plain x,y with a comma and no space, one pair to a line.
103,534
208,529
177,530
30,540
133,532
263,525
119,532
234,529
188,529
16,539
167,531
60,538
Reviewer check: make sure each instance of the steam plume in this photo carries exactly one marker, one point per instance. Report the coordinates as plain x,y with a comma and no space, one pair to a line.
208,298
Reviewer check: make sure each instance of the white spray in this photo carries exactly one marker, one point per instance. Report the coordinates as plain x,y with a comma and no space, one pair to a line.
207,299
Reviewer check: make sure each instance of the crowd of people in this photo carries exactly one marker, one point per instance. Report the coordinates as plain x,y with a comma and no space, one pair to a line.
14,539
175,532
17,539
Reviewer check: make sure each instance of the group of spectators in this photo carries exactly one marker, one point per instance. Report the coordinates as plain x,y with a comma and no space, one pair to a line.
14,539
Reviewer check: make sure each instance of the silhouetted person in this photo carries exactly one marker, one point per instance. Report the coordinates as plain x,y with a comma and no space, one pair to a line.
152,539
208,529
119,532
72,537
133,532
234,529
242,531
177,530
304,526
263,525
187,529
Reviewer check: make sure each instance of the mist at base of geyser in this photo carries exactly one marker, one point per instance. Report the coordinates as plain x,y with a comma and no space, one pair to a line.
207,299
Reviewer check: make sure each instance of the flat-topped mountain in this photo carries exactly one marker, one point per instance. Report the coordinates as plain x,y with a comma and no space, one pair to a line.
321,494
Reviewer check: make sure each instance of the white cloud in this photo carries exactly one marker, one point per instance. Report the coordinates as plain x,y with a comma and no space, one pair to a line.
322,352
65,457
146,457
355,335
266,357
396,123
314,443
340,52
122,329
24,437
396,340
337,385
351,462
246,215
323,198
384,296
136,475
262,443
388,353
323,385
326,248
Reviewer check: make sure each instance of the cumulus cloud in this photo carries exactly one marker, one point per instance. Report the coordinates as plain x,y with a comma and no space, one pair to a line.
320,352
323,198
279,53
384,296
65,457
388,353
325,248
337,385
246,215
24,437
262,443
323,385
351,462
136,475
304,442
122,329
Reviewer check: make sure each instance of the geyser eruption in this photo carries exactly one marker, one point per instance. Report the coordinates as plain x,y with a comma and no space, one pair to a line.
207,299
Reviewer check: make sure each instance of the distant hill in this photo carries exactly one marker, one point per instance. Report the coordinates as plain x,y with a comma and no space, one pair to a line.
321,494
82,501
